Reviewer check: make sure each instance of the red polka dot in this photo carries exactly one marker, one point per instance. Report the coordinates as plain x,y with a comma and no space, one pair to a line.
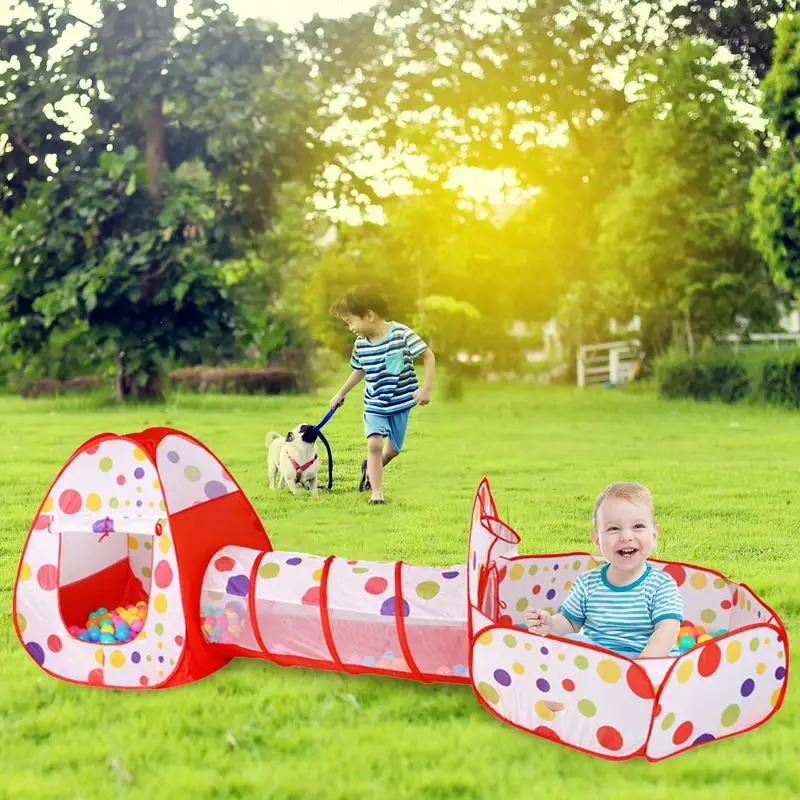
505,619
610,738
96,677
144,680
311,597
710,656
677,572
224,564
352,563
547,733
121,480
735,598
537,589
48,577
42,521
179,640
226,476
657,711
163,575
726,604
682,733
54,643
69,501
639,683
92,449
376,585
569,686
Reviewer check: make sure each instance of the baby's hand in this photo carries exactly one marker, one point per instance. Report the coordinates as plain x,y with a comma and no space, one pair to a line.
538,621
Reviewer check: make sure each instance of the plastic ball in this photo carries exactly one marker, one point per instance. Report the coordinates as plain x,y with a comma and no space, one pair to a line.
83,636
94,634
699,630
107,638
686,643
102,610
122,632
705,637
94,615
137,625
720,632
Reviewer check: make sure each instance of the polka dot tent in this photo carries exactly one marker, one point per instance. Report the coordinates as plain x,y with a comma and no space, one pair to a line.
160,508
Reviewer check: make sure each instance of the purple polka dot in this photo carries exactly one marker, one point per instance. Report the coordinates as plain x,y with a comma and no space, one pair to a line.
103,525
138,502
161,659
474,559
555,567
238,585
450,575
551,594
780,673
780,639
544,651
136,657
173,457
747,687
502,677
36,652
214,489
704,737
759,615
387,609
294,561
542,685
138,473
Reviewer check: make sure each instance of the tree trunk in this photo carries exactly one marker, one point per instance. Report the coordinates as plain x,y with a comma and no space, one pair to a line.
128,389
156,132
689,333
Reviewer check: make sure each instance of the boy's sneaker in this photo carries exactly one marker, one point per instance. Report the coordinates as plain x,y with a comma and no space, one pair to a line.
364,485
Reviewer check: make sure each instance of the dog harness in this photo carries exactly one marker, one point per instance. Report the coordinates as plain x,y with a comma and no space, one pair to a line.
301,468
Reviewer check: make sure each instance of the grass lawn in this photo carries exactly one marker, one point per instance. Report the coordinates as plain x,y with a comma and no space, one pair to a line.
725,481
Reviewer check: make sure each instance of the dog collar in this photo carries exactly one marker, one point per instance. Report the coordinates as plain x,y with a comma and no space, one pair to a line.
300,469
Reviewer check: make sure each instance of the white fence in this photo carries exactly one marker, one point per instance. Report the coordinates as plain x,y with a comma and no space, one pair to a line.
608,363
777,340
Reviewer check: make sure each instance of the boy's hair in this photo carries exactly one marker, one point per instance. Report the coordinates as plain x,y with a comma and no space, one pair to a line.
359,301
635,492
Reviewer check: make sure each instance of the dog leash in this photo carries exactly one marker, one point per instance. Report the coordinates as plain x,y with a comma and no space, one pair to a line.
318,428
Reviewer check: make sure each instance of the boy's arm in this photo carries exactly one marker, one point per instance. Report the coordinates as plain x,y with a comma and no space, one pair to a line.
356,376
662,640
423,395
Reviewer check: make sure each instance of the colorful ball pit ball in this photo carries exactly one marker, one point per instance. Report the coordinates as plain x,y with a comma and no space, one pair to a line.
118,627
690,636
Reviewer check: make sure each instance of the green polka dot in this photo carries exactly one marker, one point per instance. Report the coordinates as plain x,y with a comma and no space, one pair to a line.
707,615
730,715
106,464
543,667
581,662
149,658
22,622
139,489
719,583
587,708
576,565
113,502
489,693
148,545
509,640
522,603
192,473
666,723
754,644
159,629
269,570
533,569
360,570
427,590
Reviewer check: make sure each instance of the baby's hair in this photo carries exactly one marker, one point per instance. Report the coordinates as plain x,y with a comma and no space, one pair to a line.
359,301
634,492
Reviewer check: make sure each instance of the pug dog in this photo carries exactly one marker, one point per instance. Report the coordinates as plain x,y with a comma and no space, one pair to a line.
293,459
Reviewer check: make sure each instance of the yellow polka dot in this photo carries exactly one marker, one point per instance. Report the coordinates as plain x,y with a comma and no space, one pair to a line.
156,484
160,645
545,569
528,646
24,572
543,711
761,668
100,656
561,657
139,454
518,668
161,673
775,695
516,572
127,502
133,543
93,502
568,585
685,671
164,543
22,622
734,651
48,504
160,603
161,505
117,658
609,671
317,576
485,638
767,640
150,504
699,580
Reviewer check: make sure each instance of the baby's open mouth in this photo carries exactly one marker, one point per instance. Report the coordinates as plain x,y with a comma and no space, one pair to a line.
627,552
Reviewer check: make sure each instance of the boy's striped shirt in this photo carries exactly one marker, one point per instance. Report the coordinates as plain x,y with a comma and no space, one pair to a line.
622,618
388,368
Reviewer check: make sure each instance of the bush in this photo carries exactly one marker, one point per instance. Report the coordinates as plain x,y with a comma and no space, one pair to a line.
780,380
47,387
247,380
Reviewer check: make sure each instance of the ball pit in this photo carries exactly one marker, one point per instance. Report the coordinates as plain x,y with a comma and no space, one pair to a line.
119,626
690,635
224,624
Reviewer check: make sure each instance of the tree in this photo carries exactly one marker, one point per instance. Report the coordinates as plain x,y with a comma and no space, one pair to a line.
195,124
776,184
675,237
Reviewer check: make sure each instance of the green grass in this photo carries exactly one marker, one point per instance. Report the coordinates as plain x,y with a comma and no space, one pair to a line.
725,480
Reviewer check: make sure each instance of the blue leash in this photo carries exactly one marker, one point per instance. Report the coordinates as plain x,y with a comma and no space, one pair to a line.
320,435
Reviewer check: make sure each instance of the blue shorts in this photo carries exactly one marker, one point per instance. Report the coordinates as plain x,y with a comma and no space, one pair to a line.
394,426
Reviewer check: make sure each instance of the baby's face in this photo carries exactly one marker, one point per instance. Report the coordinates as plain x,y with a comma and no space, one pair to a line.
626,533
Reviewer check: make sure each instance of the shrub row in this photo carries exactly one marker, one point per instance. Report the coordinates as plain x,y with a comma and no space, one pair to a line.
50,386
758,375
